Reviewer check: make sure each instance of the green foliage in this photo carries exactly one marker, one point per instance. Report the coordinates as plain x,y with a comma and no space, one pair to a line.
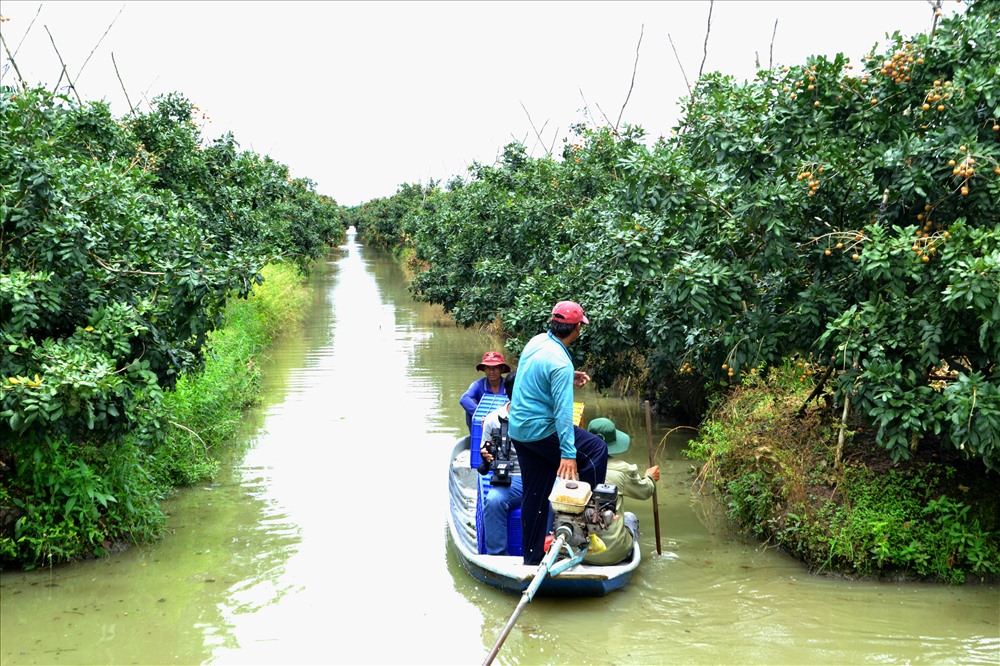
897,522
122,244
778,475
63,505
379,221
751,502
66,501
713,440
816,212
205,410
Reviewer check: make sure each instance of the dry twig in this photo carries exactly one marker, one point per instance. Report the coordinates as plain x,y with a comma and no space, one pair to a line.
131,108
663,440
607,120
64,70
586,107
30,25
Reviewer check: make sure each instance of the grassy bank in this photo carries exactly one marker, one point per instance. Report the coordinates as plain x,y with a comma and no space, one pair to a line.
62,500
845,507
205,410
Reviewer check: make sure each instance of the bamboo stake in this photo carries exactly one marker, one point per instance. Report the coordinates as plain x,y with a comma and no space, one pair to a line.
652,459
839,454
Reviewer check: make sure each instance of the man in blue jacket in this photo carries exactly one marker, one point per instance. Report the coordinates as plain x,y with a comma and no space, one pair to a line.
541,427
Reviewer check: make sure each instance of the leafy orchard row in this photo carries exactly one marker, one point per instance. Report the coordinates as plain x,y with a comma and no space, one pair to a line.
844,220
123,240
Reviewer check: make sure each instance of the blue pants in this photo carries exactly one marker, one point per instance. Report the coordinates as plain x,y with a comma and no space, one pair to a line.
500,501
539,461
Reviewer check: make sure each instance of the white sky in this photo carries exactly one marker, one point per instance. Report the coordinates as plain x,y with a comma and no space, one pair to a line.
361,97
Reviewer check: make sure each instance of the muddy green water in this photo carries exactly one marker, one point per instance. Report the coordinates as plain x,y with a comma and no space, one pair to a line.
324,539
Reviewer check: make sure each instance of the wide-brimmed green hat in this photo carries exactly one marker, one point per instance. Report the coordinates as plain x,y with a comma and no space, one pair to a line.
618,442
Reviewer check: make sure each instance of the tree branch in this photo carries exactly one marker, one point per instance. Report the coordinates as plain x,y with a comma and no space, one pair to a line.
708,30
714,203
816,391
680,64
936,8
64,70
24,84
532,123
770,61
115,270
842,435
634,68
99,43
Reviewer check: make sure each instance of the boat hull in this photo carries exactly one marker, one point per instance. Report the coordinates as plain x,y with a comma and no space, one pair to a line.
507,572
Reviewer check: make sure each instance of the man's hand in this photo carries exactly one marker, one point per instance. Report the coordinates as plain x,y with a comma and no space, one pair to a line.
567,469
485,453
653,472
580,378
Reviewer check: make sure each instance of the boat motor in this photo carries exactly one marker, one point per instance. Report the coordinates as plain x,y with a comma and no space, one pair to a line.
580,512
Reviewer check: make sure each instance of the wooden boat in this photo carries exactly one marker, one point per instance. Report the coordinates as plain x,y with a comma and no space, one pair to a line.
508,572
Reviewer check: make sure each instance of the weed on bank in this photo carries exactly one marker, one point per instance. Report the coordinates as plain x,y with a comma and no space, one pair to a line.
787,475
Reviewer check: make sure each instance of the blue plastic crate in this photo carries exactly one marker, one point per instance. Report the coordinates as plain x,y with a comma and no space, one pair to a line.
487,404
514,542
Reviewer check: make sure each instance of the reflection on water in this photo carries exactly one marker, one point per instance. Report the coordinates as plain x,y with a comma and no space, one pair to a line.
366,557
324,540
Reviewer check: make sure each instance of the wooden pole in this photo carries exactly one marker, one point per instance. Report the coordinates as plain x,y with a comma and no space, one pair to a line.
652,462
528,594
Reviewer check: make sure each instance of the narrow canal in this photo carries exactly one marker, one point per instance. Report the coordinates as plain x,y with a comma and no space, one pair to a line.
324,539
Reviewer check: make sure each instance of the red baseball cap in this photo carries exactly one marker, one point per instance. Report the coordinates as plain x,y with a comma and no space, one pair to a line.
569,312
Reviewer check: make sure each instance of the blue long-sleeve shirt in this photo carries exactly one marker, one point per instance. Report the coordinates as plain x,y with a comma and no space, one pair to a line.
477,389
542,402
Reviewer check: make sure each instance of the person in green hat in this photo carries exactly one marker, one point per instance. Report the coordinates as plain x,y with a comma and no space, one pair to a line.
624,531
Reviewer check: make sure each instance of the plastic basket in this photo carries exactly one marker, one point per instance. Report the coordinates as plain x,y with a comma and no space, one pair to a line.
515,545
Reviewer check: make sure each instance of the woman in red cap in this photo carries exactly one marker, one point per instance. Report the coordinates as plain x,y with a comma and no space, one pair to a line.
494,365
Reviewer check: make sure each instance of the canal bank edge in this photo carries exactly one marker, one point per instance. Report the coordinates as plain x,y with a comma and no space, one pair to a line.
789,474
110,497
